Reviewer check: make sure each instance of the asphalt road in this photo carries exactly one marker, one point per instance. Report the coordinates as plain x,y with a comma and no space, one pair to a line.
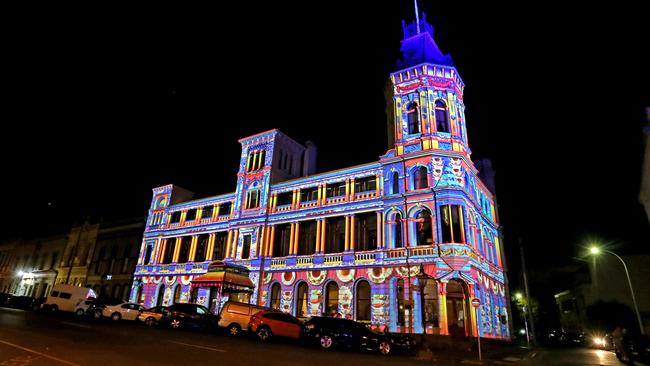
574,357
28,338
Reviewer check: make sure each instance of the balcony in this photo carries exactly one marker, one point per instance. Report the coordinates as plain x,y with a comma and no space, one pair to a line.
365,195
209,220
456,253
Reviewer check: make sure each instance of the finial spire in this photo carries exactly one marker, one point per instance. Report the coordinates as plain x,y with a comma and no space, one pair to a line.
417,16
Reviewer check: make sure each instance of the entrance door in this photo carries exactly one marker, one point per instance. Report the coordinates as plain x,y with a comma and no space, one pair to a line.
457,309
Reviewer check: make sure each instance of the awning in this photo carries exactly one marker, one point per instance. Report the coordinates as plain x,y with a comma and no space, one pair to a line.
225,280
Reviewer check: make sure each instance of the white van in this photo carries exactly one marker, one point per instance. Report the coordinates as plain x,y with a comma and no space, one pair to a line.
67,297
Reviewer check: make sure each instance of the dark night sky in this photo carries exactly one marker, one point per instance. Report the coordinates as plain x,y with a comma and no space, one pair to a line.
103,107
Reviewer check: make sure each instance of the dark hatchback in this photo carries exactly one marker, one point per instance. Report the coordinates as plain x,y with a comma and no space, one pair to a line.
335,332
188,316
24,302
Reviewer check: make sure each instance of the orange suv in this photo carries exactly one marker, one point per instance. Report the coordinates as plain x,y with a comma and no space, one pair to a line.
267,324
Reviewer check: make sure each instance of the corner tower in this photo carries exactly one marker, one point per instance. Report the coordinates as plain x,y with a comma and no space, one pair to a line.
424,97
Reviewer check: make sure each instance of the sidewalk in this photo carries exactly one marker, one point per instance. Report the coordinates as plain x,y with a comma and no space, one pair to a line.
446,350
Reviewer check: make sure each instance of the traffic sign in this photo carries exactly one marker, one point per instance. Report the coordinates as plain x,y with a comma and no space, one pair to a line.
476,302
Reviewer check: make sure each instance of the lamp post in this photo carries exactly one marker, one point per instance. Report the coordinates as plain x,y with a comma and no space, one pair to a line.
519,297
596,251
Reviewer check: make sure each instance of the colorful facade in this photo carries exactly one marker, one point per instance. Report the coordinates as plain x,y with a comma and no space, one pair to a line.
404,242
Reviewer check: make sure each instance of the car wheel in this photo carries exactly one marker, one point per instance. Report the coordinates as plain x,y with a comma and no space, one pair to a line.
53,308
384,347
326,341
150,321
79,312
97,314
264,334
36,307
234,330
175,323
116,316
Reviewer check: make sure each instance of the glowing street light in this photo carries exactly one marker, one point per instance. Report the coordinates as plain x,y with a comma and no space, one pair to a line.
594,250
518,295
20,273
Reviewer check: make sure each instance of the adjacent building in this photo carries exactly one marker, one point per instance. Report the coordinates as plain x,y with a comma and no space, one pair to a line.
403,242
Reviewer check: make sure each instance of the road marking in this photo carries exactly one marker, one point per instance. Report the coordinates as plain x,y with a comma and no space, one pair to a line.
197,346
77,325
40,354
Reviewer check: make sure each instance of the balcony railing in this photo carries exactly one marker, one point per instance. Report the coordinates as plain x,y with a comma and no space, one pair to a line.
377,257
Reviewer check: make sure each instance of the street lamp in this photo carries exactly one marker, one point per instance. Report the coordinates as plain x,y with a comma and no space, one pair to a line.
519,297
595,251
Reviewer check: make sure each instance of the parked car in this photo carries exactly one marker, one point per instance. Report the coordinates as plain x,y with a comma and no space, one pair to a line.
126,311
83,306
235,316
152,316
38,303
66,297
267,324
22,302
4,298
188,315
336,332
97,306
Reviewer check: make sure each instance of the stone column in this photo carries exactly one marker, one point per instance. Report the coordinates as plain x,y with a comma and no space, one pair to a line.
177,249
195,240
442,303
210,250
353,238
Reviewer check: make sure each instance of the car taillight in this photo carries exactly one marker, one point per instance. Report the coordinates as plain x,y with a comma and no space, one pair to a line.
309,326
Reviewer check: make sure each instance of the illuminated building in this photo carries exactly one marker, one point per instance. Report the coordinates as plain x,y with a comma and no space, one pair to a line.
416,229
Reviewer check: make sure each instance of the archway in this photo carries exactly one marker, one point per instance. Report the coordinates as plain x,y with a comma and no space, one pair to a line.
458,316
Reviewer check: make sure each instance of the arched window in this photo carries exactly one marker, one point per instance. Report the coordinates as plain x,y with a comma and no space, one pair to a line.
442,117
397,231
275,296
302,301
332,299
177,294
423,233
394,183
413,117
420,179
161,295
363,301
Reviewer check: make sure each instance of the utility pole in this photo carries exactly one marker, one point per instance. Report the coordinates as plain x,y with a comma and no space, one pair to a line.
523,269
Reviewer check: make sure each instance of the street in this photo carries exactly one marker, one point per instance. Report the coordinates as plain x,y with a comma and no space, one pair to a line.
28,338
573,356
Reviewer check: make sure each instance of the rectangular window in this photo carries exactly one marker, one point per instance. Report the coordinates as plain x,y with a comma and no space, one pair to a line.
252,199
336,190
246,247
191,215
65,295
207,212
284,198
54,294
147,254
365,184
309,194
224,209
219,250
451,217
176,217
